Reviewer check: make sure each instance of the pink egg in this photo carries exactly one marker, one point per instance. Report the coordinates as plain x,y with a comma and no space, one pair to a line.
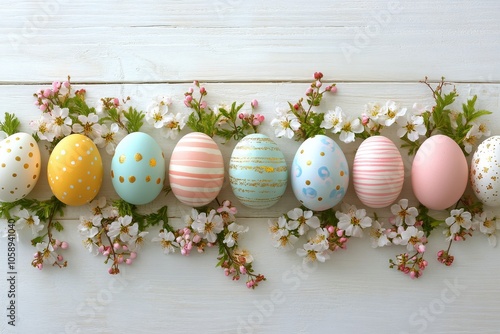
378,172
196,171
439,173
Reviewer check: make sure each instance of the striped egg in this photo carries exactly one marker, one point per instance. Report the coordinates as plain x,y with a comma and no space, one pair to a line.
378,172
257,171
196,170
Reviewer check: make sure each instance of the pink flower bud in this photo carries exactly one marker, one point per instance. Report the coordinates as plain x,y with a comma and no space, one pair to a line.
330,229
133,255
309,91
318,84
340,233
111,271
333,89
241,115
412,274
254,103
66,84
243,270
190,90
101,249
47,93
43,107
116,102
120,259
116,246
365,119
343,239
64,245
125,248
318,75
184,251
196,239
39,266
421,248
59,258
226,272
203,104
296,106
129,261
203,91
196,83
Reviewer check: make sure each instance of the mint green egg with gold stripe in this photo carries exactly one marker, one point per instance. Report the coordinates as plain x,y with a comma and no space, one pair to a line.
258,172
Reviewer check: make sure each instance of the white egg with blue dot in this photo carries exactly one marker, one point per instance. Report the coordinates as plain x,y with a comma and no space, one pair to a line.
320,174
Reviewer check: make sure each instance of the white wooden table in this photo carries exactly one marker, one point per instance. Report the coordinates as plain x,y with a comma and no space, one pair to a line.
243,50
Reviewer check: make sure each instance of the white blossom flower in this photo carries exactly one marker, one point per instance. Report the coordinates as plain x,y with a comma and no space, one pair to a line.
471,138
390,112
419,109
233,231
122,228
303,219
285,124
404,214
167,241
284,239
208,226
89,126
97,205
482,129
43,128
378,235
60,122
488,225
320,237
156,115
313,252
28,220
412,126
110,137
47,252
373,111
173,124
89,226
91,245
137,241
191,218
459,219
353,223
333,120
412,237
349,128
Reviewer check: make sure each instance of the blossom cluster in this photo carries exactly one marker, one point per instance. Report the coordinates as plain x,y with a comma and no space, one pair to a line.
110,234
65,111
227,121
206,229
37,216
325,235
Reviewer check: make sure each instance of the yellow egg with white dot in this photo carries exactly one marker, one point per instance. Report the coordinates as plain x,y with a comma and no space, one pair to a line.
19,166
138,168
75,170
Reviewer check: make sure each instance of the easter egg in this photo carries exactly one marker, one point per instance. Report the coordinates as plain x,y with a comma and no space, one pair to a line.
484,171
378,172
320,174
75,170
257,172
196,170
19,166
138,168
439,173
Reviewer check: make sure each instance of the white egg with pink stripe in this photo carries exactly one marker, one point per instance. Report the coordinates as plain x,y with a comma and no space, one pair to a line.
378,172
196,170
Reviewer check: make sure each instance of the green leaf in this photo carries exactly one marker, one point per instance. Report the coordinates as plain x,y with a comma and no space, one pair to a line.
58,226
135,119
10,125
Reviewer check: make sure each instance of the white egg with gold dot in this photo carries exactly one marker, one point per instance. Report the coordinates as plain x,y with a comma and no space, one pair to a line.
19,166
138,168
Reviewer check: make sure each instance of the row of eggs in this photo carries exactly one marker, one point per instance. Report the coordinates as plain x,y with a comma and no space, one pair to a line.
258,171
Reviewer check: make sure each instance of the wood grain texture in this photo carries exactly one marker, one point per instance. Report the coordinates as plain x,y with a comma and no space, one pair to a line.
245,50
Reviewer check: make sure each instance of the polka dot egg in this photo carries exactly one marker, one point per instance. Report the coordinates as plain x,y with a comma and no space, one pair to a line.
19,166
485,171
138,169
75,170
320,174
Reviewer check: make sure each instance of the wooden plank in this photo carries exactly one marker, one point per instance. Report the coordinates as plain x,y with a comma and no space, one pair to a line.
238,41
